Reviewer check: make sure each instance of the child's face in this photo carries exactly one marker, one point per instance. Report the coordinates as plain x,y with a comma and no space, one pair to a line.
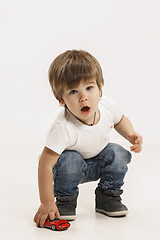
83,100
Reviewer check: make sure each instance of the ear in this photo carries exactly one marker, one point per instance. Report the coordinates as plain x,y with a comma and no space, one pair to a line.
100,92
62,102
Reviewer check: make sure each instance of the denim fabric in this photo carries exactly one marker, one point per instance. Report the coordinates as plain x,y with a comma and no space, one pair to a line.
110,166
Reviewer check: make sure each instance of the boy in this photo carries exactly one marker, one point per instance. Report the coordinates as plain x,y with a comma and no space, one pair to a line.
77,148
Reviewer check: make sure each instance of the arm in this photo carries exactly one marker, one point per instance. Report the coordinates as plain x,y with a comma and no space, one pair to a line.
48,207
125,129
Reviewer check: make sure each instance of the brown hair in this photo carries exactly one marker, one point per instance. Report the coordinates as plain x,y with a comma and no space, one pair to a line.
70,67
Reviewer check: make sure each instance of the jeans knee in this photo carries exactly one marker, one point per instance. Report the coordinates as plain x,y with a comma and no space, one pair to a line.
121,157
69,162
121,152
67,173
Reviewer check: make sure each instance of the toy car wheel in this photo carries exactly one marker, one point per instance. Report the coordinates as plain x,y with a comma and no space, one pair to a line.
53,227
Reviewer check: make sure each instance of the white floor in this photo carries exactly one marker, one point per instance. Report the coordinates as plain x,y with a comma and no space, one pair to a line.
19,200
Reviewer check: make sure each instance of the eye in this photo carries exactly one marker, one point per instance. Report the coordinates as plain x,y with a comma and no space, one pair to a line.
72,92
89,88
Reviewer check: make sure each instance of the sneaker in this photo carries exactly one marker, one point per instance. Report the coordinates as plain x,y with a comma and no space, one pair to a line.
67,206
109,203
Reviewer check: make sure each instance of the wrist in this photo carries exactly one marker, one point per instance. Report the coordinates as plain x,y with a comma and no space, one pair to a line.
48,202
47,198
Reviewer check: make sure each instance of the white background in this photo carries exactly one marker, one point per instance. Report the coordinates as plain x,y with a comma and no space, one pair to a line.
124,37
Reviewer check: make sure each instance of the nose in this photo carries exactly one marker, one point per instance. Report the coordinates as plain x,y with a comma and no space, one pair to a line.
83,97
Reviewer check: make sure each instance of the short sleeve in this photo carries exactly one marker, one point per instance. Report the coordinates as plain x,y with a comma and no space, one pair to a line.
115,109
57,138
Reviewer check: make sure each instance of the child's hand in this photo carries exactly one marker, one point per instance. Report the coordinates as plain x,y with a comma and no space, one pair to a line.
136,140
46,210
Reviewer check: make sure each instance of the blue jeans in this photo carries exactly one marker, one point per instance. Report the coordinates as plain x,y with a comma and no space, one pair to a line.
110,166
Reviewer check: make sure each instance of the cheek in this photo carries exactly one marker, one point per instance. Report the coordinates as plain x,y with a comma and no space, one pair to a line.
71,103
67,100
96,97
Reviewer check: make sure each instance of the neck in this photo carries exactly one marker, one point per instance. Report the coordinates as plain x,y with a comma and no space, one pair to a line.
95,121
91,124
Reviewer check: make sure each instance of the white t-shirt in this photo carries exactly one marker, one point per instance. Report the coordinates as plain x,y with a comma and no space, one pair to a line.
71,134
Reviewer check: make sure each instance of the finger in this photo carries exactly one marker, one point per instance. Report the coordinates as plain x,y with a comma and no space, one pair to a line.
51,215
140,141
38,220
135,146
35,217
140,138
138,145
134,149
42,220
137,150
57,214
137,140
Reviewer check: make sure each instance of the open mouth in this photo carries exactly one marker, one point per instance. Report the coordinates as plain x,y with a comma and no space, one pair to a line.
85,109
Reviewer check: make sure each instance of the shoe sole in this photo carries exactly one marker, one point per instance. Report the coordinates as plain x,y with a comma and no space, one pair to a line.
68,218
113,214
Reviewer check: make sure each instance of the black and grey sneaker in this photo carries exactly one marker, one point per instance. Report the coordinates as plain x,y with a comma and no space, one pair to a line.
109,203
67,206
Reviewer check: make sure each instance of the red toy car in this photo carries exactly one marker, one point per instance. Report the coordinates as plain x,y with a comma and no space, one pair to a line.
56,224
